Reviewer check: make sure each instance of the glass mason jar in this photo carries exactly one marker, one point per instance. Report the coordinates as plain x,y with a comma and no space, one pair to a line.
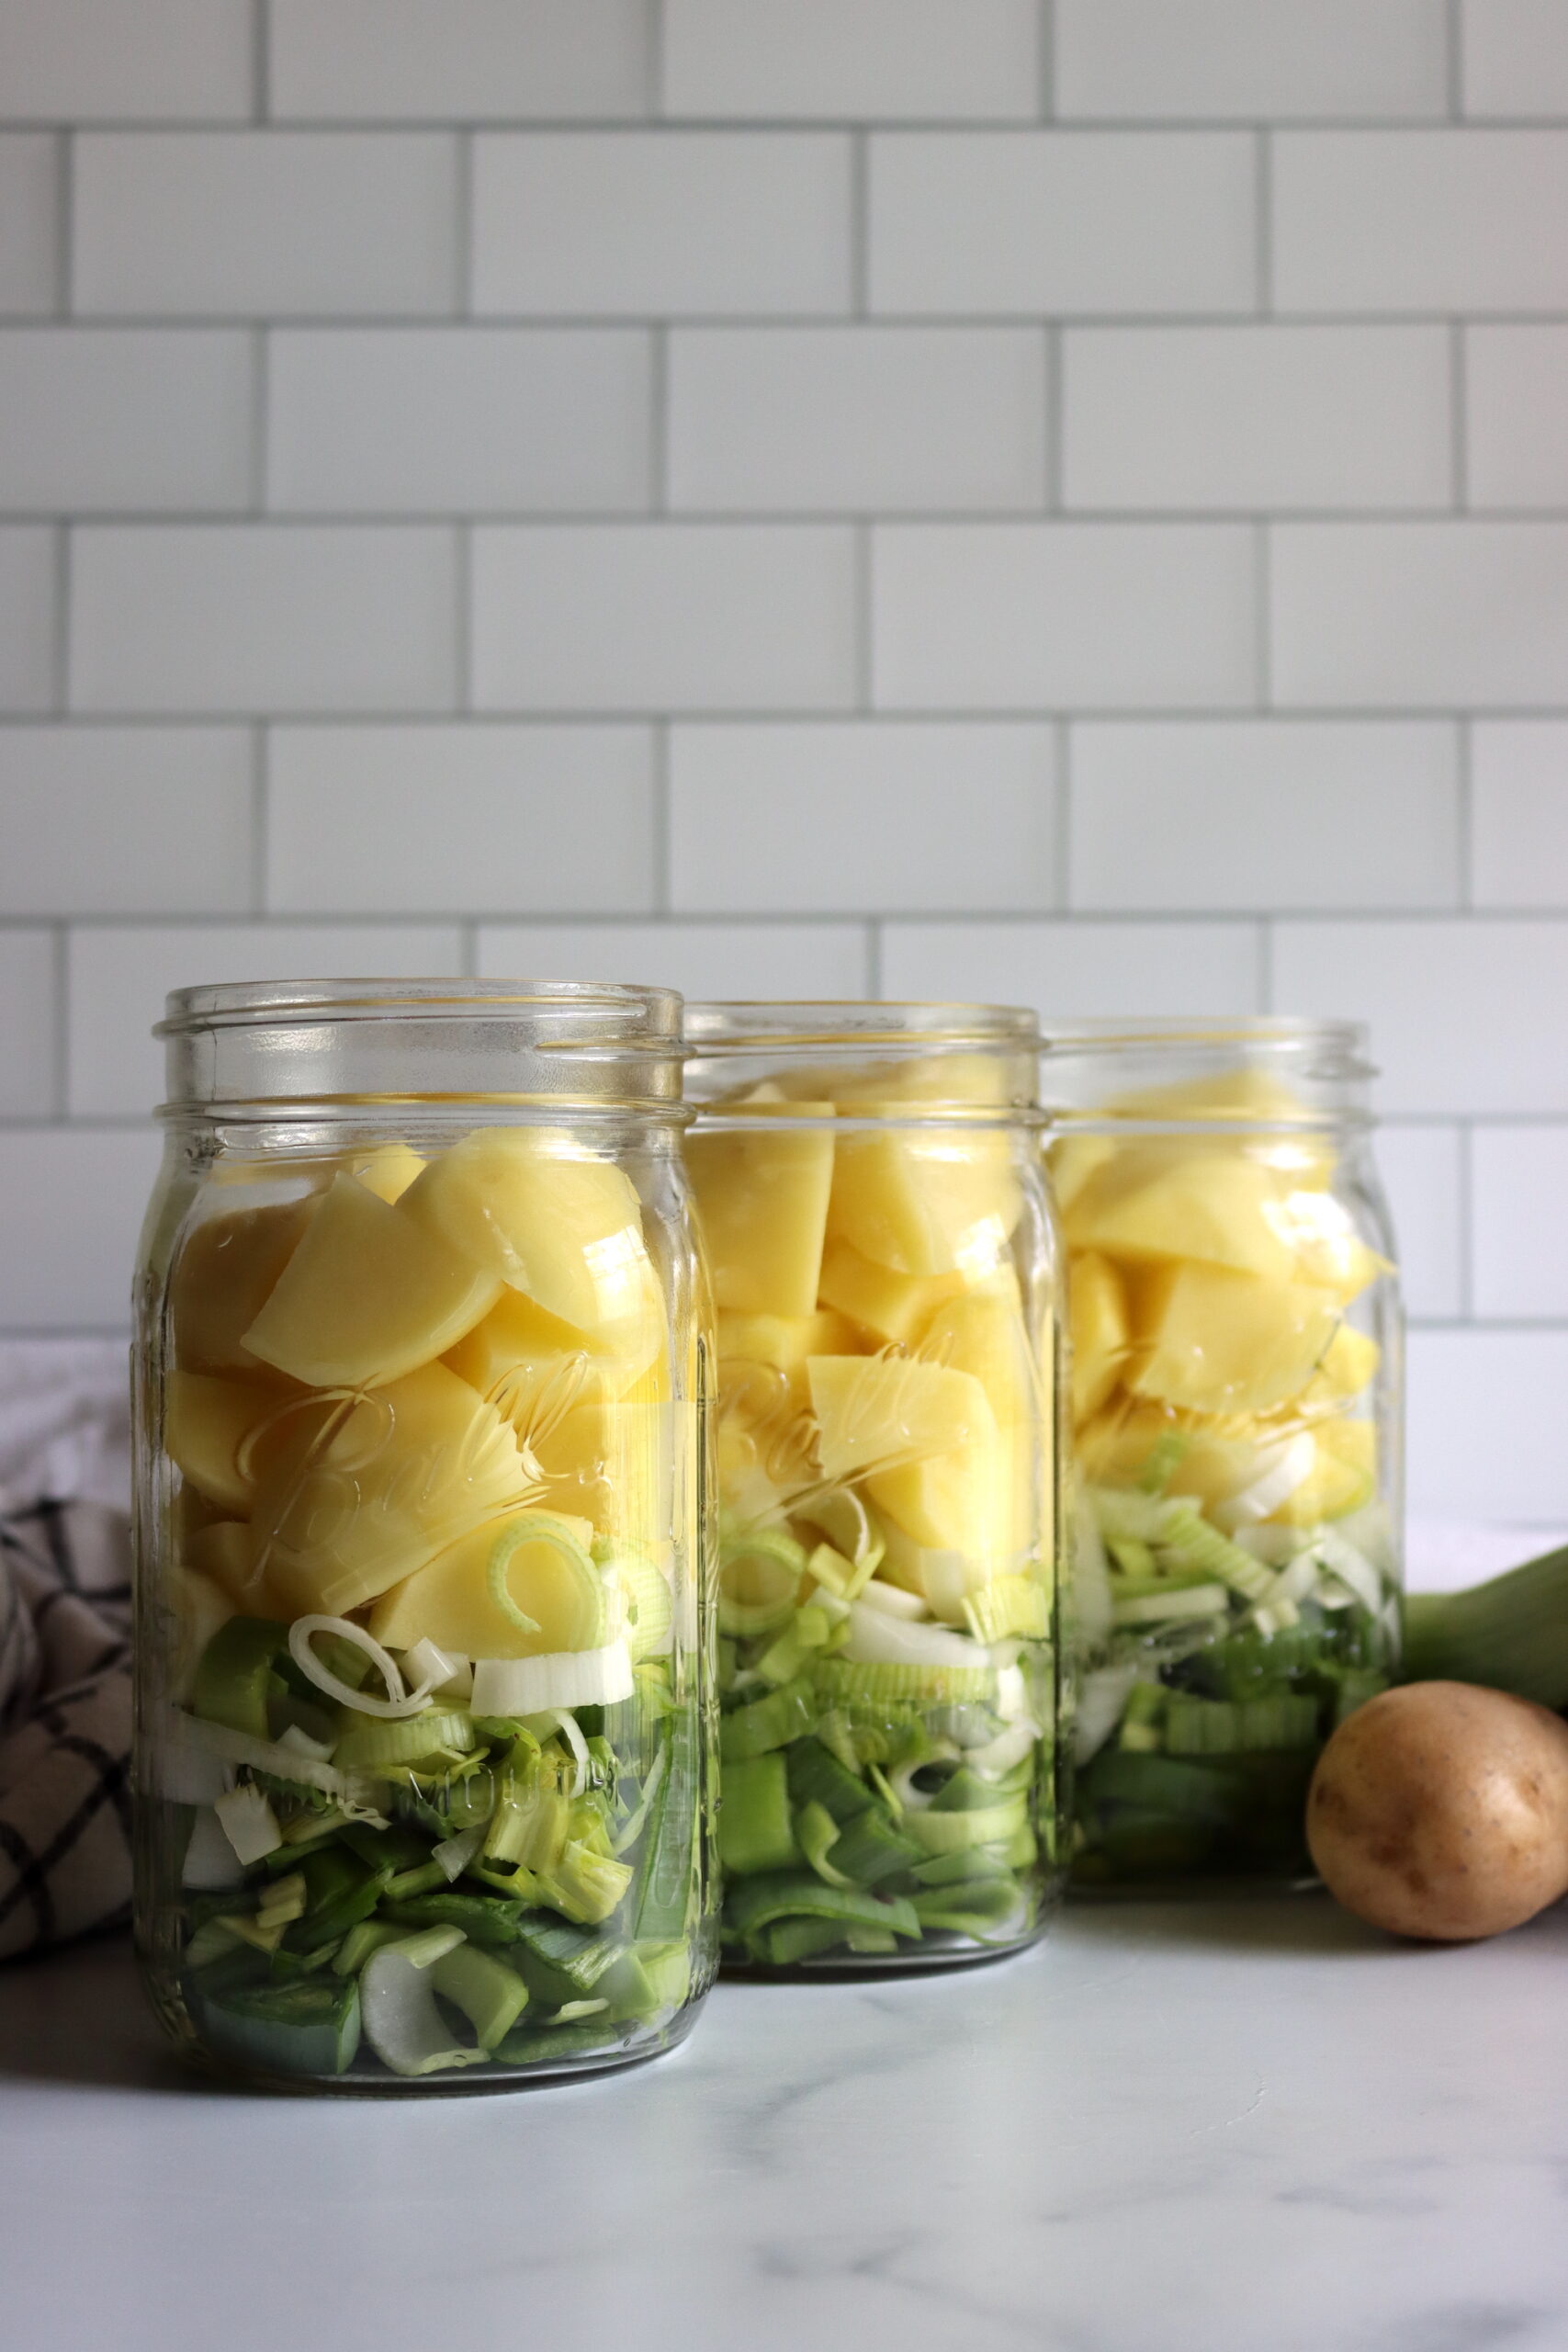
1237,1430
884,1266
423,1717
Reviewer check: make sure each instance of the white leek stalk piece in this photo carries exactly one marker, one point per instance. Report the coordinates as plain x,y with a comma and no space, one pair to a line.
532,1686
249,1823
402,2024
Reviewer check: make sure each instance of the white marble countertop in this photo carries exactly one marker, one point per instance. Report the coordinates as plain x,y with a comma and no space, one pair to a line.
1245,2126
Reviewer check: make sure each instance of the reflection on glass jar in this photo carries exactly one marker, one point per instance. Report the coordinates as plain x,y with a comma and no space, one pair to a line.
422,1730
883,1263
1235,1392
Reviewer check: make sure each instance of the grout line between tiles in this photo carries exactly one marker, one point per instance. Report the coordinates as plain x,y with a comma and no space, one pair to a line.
1459,420
1454,41
1263,612
1263,164
860,223
1047,37
873,959
1265,966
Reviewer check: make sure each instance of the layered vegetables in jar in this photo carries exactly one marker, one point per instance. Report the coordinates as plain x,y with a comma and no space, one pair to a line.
1236,1571
884,1473
426,1750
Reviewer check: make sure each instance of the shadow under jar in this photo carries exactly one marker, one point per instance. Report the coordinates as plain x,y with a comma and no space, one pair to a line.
882,1259
1236,1397
424,1720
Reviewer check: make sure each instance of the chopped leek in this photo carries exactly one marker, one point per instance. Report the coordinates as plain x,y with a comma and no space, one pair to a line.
842,1682
816,1831
788,1894
236,1673
403,1740
308,2028
398,1701
397,1995
1011,1604
785,1715
532,1686
759,1575
756,1831
490,1995
248,1822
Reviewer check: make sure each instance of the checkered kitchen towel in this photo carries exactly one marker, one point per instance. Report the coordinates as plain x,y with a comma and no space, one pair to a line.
64,1646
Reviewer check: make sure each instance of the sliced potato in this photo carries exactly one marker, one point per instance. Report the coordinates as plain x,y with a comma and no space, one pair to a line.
369,1295
222,1277
536,1212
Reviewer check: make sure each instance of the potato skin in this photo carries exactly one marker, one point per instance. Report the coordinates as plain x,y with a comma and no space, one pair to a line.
1440,1811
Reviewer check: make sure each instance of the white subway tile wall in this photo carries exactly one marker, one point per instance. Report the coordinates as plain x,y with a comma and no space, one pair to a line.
1060,500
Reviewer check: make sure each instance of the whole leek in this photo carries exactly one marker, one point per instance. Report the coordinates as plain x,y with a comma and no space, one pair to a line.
1511,1633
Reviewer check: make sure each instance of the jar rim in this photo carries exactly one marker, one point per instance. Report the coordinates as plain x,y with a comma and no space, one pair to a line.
1253,1032
649,1013
744,1026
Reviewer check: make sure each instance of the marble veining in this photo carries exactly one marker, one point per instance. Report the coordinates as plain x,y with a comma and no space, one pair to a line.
1233,2127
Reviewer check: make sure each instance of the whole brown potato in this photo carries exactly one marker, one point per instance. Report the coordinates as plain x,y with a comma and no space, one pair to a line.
1441,1811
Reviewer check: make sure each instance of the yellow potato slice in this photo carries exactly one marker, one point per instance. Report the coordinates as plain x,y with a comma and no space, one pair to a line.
1156,1201
226,1553
1070,1163
368,1295
763,1200
1101,1330
1214,1342
893,1306
386,1170
925,1204
208,1426
612,1463
372,1487
543,1216
546,1574
1343,1477
1348,1367
875,1412
534,1368
763,1385
223,1278
982,1332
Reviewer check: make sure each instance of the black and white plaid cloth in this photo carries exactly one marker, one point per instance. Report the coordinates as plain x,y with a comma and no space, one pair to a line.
64,1722
64,1643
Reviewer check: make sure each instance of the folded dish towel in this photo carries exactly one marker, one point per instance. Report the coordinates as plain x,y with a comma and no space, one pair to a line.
64,1645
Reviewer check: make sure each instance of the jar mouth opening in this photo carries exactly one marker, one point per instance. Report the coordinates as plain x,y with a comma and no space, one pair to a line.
609,1011
1342,1045
741,1025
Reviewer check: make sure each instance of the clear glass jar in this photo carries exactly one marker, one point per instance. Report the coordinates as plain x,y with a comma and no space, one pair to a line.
1237,1416
424,1720
884,1265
